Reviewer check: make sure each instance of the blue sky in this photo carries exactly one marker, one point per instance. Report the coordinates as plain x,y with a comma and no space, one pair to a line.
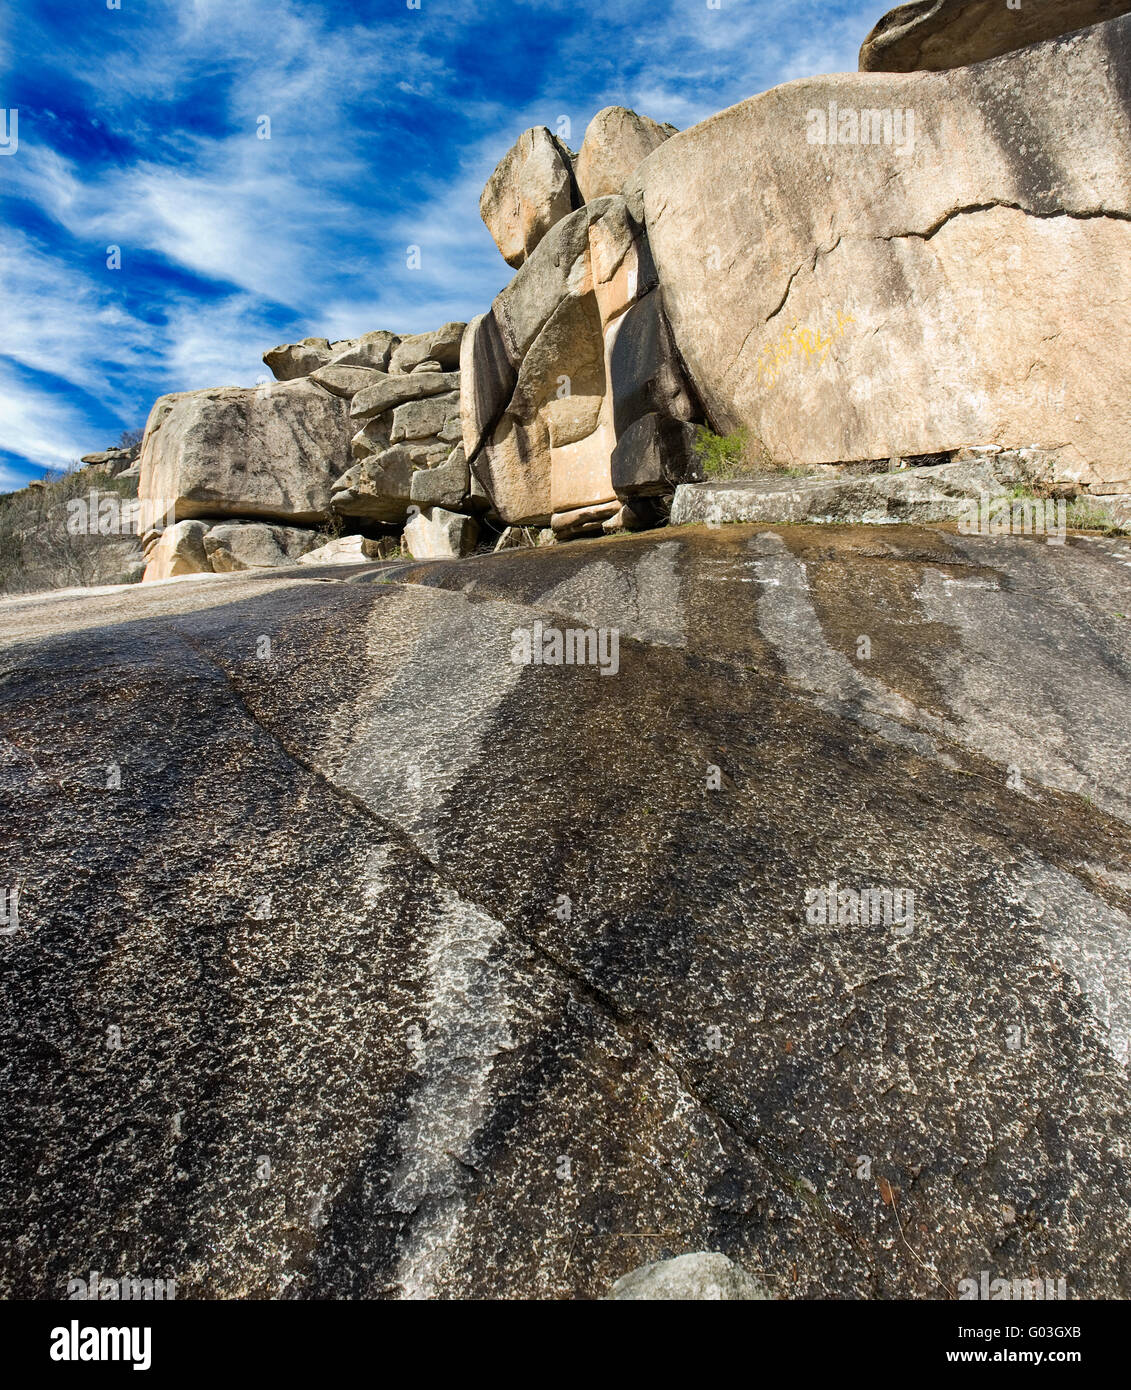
137,128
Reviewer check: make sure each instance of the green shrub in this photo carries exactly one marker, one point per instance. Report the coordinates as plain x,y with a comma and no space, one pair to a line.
722,456
729,457
1090,514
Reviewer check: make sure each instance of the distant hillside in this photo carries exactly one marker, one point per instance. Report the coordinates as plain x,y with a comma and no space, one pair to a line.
42,547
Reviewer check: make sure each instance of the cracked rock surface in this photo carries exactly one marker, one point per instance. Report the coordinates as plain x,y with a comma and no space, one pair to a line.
386,967
910,263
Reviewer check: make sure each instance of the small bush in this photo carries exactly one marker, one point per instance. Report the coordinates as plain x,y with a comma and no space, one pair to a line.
722,456
1090,514
729,457
332,528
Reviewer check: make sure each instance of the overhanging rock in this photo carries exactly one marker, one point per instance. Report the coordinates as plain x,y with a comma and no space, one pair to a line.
938,34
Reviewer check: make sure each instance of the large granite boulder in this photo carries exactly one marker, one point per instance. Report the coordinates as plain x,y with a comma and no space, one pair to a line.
440,348
434,533
370,350
531,189
345,381
514,469
565,362
644,369
378,488
385,393
270,451
959,279
938,34
428,418
293,360
616,140
446,485
653,456
487,381
178,550
399,967
563,268
253,545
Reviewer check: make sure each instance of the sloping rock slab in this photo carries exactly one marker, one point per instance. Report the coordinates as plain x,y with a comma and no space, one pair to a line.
396,968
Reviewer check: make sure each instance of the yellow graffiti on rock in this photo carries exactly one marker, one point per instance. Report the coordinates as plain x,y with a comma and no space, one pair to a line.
798,345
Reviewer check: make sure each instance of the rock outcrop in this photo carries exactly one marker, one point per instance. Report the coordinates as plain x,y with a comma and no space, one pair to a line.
828,277
926,494
405,418
877,299
939,34
114,461
870,265
342,436
540,181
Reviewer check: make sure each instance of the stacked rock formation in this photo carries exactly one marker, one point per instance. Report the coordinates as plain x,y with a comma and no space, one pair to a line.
259,477
409,463
116,461
574,364
883,266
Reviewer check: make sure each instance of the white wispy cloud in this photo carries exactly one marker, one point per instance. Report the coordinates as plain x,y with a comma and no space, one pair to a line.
38,424
57,323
